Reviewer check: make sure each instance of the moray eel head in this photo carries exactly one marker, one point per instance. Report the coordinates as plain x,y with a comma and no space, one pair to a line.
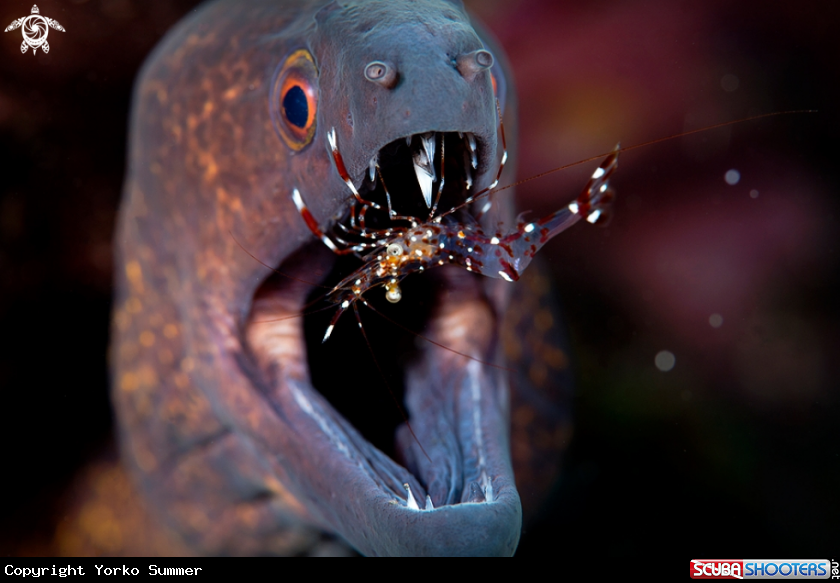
213,375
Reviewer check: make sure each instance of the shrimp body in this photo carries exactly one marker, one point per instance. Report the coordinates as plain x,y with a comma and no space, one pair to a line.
441,242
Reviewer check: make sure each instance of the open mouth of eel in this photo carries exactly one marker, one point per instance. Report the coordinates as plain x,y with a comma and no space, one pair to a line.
404,396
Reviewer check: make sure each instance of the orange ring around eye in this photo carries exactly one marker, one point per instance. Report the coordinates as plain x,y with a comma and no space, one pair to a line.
295,100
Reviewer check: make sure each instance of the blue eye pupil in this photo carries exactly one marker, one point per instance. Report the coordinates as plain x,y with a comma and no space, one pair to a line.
295,107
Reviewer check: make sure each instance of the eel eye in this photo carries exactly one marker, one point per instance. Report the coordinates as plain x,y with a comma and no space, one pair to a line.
295,100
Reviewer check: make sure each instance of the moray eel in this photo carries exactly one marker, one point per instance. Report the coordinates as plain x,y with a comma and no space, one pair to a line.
219,422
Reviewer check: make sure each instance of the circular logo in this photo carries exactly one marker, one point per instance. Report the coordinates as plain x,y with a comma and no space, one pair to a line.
35,30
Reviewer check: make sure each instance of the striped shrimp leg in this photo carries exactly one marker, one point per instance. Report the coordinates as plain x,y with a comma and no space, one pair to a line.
507,256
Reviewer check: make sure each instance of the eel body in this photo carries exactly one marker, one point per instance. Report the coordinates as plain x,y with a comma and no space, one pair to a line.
219,422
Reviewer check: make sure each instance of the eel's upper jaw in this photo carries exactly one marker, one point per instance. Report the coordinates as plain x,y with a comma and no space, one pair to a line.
456,494
417,168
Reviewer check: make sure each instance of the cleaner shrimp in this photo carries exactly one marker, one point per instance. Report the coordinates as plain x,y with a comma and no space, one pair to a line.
391,254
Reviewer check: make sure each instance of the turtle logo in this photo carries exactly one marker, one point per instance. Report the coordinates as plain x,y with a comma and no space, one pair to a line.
35,29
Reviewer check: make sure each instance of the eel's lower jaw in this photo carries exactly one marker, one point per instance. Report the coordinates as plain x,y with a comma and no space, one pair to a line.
460,496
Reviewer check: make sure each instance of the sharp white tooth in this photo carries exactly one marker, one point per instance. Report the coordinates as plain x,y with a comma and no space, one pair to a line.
424,179
372,168
429,505
461,135
467,170
429,148
473,154
410,500
424,166
408,140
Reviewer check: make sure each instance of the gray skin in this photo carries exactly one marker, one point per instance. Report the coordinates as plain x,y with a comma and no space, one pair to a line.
218,420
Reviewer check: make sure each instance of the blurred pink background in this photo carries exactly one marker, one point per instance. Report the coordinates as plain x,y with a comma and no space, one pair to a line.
737,279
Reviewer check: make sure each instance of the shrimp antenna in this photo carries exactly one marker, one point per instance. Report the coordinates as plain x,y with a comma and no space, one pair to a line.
385,380
429,340
487,191
274,269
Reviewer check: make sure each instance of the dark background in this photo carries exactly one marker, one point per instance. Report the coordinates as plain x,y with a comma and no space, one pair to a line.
735,451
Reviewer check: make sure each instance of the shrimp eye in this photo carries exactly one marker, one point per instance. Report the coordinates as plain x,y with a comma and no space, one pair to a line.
294,100
395,250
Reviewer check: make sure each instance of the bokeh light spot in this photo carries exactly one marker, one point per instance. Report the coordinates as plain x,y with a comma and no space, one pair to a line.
732,177
665,360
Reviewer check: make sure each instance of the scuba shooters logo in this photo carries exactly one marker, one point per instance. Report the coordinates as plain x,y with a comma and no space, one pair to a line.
764,569
35,29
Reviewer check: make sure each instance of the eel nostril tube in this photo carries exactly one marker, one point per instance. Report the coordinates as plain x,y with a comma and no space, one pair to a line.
382,73
471,64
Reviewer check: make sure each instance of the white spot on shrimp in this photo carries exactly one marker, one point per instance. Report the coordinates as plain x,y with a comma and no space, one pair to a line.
494,241
529,228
